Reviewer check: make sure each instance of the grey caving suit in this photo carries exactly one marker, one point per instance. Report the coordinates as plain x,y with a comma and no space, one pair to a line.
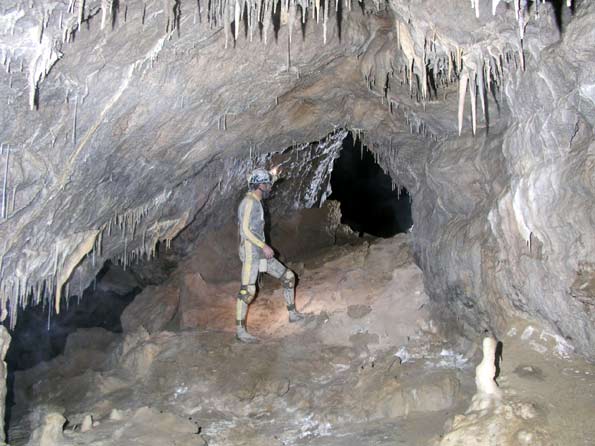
252,240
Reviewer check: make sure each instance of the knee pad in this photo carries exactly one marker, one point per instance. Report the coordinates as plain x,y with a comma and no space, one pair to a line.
288,279
247,293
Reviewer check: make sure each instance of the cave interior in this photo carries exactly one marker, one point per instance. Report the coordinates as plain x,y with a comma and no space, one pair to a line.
435,201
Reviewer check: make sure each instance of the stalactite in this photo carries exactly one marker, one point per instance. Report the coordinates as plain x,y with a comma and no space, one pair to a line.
106,6
74,121
291,20
459,60
481,86
81,12
462,93
226,22
411,74
473,98
424,77
124,256
236,19
12,204
3,214
325,21
522,56
266,24
250,23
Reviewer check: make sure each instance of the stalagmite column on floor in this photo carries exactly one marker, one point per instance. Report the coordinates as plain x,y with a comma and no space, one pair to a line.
4,344
488,391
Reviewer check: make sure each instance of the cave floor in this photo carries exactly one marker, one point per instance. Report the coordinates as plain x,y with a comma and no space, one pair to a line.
368,366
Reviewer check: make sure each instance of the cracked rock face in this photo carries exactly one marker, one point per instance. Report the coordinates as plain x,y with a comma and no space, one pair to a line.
126,122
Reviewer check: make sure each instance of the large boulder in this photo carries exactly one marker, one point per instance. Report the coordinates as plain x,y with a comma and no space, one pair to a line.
152,309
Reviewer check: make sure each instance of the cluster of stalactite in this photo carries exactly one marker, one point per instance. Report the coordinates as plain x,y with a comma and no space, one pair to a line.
19,290
258,16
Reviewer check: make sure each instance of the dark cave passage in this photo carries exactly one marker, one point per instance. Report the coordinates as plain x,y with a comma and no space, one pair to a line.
40,334
369,204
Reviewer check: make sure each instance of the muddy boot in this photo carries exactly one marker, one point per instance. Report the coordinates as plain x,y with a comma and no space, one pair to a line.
243,336
295,316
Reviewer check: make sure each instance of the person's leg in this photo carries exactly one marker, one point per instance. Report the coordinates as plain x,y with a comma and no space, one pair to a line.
287,277
247,292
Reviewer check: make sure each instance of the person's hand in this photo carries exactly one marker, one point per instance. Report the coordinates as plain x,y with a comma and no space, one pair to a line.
268,252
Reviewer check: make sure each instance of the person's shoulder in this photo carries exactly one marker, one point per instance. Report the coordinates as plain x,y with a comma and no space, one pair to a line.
251,196
246,198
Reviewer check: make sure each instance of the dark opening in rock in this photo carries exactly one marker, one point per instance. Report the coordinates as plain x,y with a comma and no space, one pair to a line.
38,337
369,202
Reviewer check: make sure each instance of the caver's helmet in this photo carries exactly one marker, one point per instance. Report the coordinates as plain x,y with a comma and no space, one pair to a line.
259,176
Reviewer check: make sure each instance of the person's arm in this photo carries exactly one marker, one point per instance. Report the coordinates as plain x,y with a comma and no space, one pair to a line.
248,234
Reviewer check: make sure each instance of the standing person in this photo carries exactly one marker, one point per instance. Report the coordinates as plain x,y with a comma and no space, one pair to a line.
256,255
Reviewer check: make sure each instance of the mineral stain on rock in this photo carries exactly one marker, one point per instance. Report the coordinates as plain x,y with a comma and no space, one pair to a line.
358,311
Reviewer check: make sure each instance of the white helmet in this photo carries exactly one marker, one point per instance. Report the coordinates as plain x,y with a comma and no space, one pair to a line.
259,176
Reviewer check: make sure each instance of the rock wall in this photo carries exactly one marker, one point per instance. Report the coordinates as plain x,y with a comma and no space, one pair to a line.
4,344
504,220
544,221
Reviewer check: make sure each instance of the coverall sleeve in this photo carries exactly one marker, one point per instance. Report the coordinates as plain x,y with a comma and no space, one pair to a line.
248,234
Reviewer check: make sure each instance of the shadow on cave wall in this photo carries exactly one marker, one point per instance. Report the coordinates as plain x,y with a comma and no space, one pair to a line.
369,204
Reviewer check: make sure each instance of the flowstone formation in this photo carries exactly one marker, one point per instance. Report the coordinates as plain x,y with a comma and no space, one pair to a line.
127,121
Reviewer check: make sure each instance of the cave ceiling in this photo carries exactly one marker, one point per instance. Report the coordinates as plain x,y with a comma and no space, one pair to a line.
125,121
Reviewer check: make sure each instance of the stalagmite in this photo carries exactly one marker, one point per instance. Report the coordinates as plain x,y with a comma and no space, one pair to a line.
485,372
462,92
87,423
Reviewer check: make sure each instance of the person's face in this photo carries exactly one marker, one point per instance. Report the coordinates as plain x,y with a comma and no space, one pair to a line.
266,190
